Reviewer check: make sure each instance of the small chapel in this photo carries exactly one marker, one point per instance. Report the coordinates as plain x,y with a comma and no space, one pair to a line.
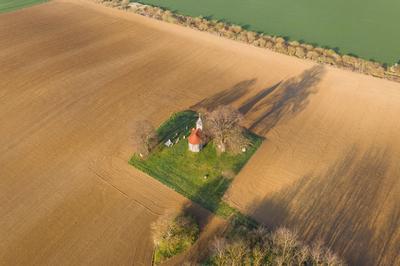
194,140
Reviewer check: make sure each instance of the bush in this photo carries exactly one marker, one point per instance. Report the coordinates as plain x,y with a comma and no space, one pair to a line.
281,47
173,234
279,40
251,36
125,4
313,55
395,69
300,52
236,29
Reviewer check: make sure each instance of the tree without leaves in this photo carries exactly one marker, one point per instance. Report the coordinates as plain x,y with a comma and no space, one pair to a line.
161,226
237,251
258,255
317,251
302,255
145,137
285,244
332,259
222,125
259,247
218,248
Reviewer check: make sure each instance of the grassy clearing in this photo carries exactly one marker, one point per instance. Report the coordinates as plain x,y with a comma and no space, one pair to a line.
366,28
11,5
185,171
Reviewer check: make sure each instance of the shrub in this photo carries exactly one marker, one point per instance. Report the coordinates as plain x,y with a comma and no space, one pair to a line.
262,42
300,52
242,36
236,28
281,47
291,50
279,40
251,36
168,16
313,55
269,44
308,47
173,234
395,69
125,4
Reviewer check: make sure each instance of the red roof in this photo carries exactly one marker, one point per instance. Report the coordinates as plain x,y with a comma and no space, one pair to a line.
194,137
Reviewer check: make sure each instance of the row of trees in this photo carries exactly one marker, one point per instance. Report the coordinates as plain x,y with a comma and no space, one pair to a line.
123,4
258,247
278,44
239,244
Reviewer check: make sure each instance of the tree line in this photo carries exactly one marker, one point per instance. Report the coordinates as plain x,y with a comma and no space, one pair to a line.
275,43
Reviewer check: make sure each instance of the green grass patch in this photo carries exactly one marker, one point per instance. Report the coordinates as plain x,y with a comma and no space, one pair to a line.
366,28
185,171
11,5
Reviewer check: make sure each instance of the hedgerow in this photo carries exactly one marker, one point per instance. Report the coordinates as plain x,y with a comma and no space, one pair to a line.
275,43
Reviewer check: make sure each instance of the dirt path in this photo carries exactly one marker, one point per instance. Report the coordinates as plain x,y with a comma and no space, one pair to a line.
74,76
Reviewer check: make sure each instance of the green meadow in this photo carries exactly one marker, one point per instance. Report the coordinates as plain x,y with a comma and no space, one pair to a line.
11,5
366,28
202,177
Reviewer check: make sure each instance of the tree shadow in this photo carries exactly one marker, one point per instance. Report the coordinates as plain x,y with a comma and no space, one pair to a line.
288,99
252,101
343,207
225,97
283,98
271,105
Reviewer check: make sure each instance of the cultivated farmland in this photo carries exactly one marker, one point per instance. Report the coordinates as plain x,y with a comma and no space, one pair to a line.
366,28
10,5
74,78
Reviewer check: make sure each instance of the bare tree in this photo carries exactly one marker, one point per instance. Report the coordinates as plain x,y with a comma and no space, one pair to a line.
219,250
331,259
302,255
144,137
259,247
317,252
258,255
285,243
222,125
161,226
237,252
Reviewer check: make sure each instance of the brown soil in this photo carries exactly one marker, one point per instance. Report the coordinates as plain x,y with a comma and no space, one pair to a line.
75,76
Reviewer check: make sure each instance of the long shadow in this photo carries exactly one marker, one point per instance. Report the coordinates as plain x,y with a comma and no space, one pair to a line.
348,207
254,100
284,98
226,97
271,105
288,99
